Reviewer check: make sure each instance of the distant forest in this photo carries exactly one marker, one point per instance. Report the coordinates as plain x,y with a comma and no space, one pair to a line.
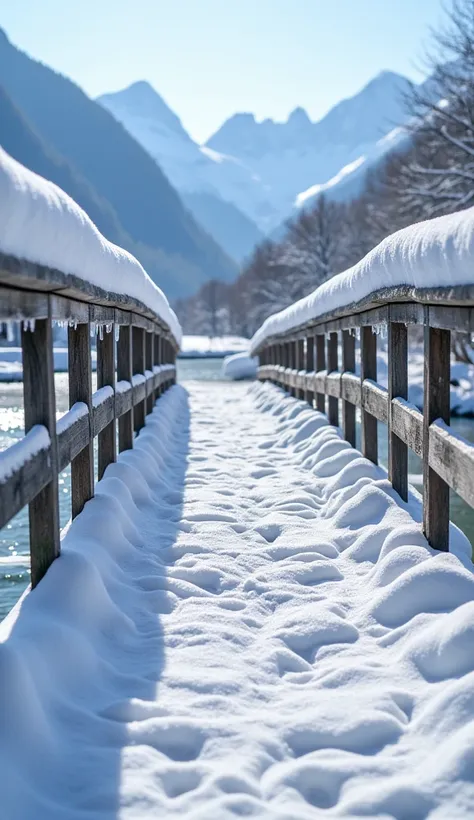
432,174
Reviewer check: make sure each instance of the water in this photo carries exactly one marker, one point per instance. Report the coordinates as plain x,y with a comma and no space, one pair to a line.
14,539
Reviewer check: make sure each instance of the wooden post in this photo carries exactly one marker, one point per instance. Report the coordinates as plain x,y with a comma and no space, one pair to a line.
159,360
333,402
435,406
309,367
368,370
320,365
107,444
287,361
138,353
348,409
300,365
124,373
294,363
80,389
149,366
397,387
40,408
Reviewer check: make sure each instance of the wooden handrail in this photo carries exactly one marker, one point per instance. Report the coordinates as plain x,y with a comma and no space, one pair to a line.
130,376
448,459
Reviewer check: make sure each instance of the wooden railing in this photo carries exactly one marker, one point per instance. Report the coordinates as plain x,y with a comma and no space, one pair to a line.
306,361
136,354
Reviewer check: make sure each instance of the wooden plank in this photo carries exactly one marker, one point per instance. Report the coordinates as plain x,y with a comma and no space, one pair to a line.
138,350
351,388
64,309
333,385
103,414
21,304
435,406
368,370
80,390
124,373
139,389
73,432
309,367
375,400
407,424
332,366
24,482
348,408
107,444
40,408
452,458
397,387
320,366
123,405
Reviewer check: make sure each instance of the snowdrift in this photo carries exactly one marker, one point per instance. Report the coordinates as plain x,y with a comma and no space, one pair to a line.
245,621
40,223
240,366
435,253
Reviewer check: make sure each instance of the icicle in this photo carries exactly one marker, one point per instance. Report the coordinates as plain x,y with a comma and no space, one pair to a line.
108,327
10,331
93,329
357,333
101,332
117,332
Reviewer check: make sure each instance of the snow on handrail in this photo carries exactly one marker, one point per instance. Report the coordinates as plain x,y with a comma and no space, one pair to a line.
438,253
41,224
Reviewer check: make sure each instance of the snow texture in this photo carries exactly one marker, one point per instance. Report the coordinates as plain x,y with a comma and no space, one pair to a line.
240,366
435,253
16,456
42,224
212,346
245,621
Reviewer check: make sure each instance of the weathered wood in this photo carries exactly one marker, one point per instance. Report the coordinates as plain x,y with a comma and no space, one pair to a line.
40,408
348,409
300,364
397,387
123,405
138,349
333,385
25,482
375,400
73,432
309,366
320,365
368,370
80,390
407,424
149,366
351,388
435,406
103,414
452,458
332,366
124,373
107,444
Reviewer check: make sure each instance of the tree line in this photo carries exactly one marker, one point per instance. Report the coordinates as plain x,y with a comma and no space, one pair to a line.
430,172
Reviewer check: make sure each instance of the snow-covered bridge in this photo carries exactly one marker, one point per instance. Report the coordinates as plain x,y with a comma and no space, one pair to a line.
244,617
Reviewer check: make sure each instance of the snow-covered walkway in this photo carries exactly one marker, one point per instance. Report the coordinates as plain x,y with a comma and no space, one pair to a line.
243,622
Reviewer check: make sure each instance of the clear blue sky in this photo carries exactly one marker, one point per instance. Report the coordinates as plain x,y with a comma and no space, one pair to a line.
211,58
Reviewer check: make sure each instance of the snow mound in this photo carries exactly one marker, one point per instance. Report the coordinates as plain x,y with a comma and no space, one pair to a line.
245,621
42,224
240,366
435,253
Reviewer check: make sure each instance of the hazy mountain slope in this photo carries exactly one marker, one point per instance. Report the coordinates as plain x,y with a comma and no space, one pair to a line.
219,180
234,231
118,169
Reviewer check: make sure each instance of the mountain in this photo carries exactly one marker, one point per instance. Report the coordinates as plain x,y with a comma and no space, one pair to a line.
261,167
138,201
221,193
293,156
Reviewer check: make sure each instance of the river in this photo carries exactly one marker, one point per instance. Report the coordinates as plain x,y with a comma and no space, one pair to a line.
14,545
